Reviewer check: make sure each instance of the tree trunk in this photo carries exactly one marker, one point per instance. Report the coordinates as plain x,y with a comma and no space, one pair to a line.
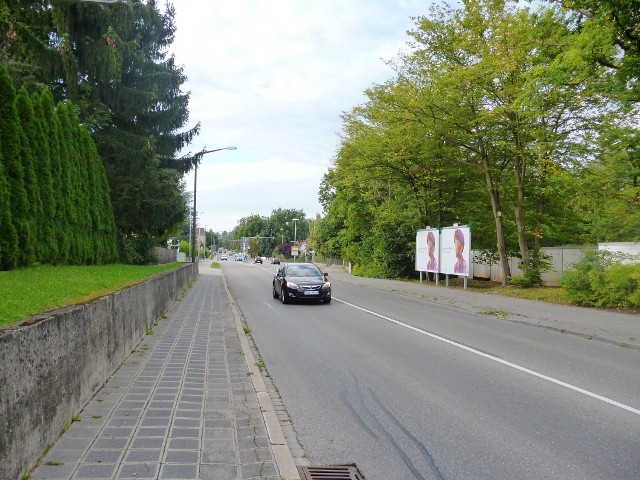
497,215
519,170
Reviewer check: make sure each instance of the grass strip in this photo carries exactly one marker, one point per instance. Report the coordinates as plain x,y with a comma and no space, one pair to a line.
29,291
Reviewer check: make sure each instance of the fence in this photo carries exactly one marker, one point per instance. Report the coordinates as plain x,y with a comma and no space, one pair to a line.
165,255
560,259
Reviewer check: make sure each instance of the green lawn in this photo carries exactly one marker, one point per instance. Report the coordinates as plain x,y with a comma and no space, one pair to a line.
29,291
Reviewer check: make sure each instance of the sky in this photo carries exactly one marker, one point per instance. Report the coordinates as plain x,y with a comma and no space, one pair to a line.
272,79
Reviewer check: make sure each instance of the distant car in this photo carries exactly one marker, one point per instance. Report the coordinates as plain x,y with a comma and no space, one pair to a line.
258,260
275,261
239,257
223,256
301,281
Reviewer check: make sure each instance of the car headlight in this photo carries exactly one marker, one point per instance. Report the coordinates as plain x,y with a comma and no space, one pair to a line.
326,286
291,285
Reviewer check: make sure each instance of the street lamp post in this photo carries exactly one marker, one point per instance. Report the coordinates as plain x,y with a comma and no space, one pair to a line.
195,183
295,234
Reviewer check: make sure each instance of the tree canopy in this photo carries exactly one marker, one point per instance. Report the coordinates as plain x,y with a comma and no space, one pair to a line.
496,118
113,63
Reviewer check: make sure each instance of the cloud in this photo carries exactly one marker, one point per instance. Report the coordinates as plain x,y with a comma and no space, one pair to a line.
273,78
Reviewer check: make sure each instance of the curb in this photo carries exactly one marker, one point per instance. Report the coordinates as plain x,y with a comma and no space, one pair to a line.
283,458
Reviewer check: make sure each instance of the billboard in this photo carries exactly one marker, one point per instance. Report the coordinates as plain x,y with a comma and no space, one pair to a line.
427,250
455,250
445,250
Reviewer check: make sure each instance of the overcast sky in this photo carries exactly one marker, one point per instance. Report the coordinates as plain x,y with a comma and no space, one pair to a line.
272,78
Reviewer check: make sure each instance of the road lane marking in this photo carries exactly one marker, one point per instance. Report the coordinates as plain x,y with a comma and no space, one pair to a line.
496,359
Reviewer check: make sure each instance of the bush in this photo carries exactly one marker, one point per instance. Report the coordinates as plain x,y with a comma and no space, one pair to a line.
532,277
601,280
137,250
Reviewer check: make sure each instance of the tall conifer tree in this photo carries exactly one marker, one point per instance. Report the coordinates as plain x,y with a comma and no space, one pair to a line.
42,166
28,144
59,202
13,168
8,234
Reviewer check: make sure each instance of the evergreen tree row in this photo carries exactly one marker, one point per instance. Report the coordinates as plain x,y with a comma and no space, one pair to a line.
55,206
113,62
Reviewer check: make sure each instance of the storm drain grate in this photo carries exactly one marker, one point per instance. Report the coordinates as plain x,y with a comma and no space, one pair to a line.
331,472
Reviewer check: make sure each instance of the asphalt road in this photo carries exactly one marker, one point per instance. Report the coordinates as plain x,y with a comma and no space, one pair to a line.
408,388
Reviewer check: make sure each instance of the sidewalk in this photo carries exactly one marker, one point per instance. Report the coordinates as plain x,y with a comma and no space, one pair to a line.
189,403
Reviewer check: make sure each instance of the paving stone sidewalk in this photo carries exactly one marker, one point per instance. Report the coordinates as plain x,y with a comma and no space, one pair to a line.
183,406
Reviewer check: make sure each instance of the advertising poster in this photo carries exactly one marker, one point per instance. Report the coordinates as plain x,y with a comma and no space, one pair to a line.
433,250
421,250
455,250
427,250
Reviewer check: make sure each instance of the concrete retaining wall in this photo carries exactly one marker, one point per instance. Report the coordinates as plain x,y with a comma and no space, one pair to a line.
53,364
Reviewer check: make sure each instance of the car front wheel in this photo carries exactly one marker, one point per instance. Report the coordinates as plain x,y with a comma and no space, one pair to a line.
283,297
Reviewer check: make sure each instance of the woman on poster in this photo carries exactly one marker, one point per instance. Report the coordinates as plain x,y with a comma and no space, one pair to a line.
432,264
458,240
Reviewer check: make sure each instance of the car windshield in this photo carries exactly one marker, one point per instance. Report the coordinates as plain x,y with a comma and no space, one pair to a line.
303,271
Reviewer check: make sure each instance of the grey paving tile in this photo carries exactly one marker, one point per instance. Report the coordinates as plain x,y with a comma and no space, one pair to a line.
69,443
219,445
95,455
158,412
184,443
143,455
218,471
179,471
97,409
218,423
171,397
82,431
155,422
182,456
259,470
116,432
164,404
187,422
227,457
130,407
151,432
57,454
124,421
189,405
111,443
184,432
256,455
257,442
148,442
139,470
215,434
56,472
95,471
217,414
252,431
182,413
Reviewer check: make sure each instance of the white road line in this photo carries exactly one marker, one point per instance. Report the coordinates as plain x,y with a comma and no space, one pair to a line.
499,360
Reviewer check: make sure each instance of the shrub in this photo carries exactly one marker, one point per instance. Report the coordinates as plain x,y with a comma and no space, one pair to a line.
600,279
533,272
